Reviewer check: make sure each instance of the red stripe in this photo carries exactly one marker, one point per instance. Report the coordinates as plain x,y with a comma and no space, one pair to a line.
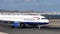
35,17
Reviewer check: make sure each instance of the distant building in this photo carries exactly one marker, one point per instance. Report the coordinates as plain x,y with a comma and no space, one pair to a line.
28,12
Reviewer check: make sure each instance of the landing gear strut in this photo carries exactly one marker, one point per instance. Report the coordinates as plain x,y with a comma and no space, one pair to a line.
39,26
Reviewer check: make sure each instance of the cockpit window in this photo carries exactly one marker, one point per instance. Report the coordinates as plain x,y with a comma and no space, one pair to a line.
43,18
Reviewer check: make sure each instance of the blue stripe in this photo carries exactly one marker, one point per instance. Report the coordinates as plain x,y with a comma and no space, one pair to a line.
35,22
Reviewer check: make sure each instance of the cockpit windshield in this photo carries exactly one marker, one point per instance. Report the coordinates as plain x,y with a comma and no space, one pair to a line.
43,18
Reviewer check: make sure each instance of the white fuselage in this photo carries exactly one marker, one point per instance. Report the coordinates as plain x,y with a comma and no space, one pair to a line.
25,18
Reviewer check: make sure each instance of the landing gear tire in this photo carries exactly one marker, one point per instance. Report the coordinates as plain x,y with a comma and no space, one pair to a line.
34,25
22,25
12,27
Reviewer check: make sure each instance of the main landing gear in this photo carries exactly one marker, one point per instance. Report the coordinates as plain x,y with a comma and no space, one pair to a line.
18,25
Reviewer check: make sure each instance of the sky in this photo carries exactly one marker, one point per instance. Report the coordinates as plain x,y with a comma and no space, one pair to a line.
36,5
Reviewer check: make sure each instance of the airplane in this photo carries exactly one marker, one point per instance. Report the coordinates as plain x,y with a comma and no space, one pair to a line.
21,20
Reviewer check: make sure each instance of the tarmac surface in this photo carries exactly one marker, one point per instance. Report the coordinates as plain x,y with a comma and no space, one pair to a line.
29,31
52,28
